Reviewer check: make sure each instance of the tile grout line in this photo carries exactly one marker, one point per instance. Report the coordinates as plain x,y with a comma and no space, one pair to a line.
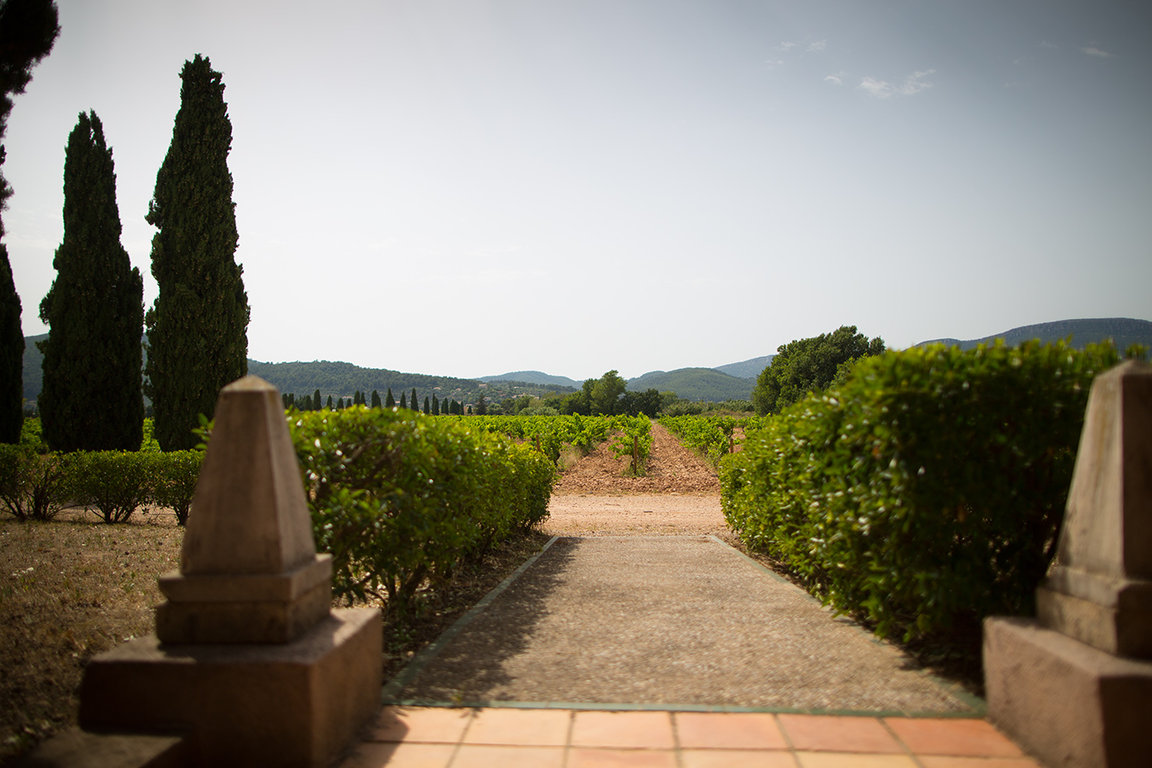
677,749
786,736
566,755
460,741
907,750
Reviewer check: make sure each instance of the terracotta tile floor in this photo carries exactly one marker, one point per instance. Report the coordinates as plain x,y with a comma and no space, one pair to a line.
434,737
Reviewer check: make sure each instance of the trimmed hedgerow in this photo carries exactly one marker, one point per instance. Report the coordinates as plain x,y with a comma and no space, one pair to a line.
927,490
112,484
32,486
174,477
401,499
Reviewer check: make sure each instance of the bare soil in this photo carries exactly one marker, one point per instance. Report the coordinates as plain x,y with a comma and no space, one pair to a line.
70,589
672,468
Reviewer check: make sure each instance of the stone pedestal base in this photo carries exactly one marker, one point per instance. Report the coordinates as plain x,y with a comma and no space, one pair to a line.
294,704
244,608
1064,701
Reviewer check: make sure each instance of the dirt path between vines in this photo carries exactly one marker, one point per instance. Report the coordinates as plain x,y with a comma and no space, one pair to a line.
679,495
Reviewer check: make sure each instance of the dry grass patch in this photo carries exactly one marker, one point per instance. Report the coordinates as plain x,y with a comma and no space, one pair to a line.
70,589
75,587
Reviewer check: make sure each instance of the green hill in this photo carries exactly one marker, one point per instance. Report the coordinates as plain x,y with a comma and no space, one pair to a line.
734,381
33,367
344,379
748,369
536,377
695,384
1122,331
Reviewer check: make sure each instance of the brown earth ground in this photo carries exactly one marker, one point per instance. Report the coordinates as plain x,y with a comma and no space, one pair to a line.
680,494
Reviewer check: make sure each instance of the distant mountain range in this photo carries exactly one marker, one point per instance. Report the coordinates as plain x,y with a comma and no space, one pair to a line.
733,381
1121,330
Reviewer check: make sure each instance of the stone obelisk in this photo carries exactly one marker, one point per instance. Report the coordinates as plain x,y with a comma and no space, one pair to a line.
1075,686
248,662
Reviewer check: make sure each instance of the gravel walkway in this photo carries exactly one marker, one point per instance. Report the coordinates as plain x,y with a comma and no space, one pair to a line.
664,622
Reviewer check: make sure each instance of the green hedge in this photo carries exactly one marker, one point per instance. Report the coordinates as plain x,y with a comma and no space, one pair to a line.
112,484
401,499
33,486
926,491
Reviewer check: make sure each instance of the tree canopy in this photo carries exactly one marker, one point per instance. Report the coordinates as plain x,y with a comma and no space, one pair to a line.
809,365
91,398
28,30
197,329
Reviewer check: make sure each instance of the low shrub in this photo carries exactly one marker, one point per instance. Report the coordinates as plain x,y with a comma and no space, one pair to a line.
33,486
174,476
112,484
401,499
927,490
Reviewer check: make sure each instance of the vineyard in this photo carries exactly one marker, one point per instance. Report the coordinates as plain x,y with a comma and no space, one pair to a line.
713,436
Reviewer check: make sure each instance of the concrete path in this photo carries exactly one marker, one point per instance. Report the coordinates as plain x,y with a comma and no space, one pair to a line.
677,623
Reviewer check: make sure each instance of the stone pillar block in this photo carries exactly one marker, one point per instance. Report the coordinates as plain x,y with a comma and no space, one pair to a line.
249,571
249,663
1072,705
288,704
1075,686
1099,588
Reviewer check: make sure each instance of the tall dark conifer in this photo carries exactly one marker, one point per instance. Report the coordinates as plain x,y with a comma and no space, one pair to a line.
28,29
11,355
91,399
197,329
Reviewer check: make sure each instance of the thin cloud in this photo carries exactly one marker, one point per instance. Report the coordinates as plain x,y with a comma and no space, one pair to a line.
837,79
913,84
1092,50
807,46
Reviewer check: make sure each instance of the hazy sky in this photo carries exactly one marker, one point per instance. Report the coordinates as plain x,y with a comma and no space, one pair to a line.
475,187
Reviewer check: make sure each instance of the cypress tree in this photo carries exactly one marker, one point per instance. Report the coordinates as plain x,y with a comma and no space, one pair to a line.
403,400
91,399
317,403
329,406
11,355
389,401
376,399
197,329
427,405
28,29
413,402
435,405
